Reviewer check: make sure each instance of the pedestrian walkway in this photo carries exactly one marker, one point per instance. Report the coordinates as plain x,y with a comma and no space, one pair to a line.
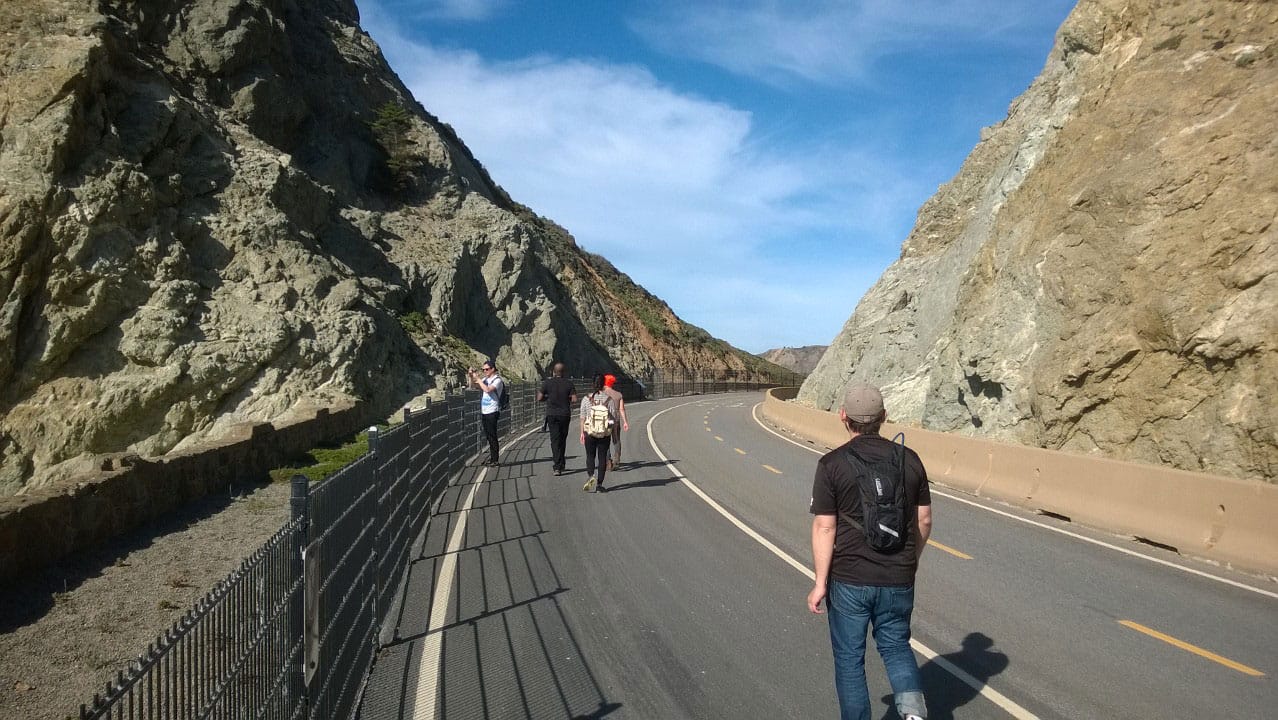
642,602
500,645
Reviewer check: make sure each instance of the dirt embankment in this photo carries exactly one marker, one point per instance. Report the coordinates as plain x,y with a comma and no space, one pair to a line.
66,629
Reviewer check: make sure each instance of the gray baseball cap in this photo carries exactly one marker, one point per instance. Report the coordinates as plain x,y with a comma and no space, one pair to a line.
863,403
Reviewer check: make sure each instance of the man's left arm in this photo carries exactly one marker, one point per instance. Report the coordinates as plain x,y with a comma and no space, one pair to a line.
621,407
923,515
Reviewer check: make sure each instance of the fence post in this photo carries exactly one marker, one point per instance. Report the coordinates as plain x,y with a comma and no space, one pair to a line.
377,523
298,514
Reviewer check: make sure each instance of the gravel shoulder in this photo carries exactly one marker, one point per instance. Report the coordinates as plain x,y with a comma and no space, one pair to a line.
66,629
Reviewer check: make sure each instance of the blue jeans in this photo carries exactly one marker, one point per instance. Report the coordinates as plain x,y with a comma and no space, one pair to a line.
852,609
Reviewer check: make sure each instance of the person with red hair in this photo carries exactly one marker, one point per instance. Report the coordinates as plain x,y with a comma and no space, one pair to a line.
614,461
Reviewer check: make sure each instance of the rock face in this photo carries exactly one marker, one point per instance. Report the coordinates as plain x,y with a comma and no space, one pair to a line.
199,227
802,360
1102,274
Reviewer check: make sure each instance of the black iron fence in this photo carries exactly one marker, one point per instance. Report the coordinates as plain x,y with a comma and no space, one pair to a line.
293,631
671,383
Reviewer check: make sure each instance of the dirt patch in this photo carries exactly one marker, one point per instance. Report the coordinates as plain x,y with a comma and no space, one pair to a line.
65,630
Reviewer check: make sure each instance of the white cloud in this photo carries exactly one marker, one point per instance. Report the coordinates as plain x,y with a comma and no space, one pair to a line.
823,41
672,188
463,10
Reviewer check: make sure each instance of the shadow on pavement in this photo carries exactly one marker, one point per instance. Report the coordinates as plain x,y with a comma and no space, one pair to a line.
505,648
946,693
615,486
646,464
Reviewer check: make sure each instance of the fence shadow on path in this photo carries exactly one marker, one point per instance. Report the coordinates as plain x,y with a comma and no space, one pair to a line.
945,693
505,648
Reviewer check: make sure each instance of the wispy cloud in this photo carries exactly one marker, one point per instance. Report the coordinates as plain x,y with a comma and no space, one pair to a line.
823,41
460,10
675,189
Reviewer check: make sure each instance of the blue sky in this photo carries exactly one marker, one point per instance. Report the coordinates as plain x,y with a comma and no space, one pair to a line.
756,164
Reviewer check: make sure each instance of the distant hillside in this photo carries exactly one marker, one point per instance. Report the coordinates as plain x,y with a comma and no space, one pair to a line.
802,360
222,212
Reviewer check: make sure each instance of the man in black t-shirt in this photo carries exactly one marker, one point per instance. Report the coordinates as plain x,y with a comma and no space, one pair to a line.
861,586
560,395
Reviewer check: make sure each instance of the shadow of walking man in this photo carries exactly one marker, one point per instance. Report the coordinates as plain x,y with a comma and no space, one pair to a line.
946,693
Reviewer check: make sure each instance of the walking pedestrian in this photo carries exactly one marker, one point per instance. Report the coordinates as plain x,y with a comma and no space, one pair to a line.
614,460
598,415
560,395
492,387
872,517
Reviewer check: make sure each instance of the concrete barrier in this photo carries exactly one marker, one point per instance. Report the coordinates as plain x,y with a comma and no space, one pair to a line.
1224,519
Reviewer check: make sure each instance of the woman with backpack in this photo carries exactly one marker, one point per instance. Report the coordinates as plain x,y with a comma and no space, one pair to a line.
598,415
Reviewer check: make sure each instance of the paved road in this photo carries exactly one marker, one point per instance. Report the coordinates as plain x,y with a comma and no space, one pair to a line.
649,602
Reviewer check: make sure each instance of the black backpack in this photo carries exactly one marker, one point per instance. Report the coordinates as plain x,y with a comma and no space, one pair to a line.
881,487
503,400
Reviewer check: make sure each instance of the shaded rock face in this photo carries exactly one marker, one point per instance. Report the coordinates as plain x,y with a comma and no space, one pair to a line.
1102,274
802,360
198,229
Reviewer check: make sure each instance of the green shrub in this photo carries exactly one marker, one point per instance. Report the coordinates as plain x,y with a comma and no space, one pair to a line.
391,130
415,323
324,461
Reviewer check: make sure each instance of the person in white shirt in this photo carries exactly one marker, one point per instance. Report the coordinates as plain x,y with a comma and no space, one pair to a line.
491,385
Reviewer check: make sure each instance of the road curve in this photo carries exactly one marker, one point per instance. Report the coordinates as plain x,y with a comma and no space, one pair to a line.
680,593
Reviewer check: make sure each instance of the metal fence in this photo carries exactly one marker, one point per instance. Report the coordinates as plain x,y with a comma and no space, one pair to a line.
293,631
672,383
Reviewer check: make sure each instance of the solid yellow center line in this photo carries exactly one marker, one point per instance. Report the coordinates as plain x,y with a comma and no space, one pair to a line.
740,451
949,550
716,437
769,467
1192,648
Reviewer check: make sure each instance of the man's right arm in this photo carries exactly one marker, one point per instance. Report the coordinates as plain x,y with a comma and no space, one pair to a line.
823,527
924,524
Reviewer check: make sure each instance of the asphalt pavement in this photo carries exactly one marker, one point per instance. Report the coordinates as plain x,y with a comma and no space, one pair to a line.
679,593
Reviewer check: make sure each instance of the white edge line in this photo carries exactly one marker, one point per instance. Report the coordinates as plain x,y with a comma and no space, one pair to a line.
1062,531
426,697
984,689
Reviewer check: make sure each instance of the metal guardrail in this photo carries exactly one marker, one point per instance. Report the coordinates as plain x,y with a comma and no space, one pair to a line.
293,631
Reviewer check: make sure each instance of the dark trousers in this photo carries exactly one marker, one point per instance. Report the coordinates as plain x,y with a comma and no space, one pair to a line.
597,454
490,432
558,438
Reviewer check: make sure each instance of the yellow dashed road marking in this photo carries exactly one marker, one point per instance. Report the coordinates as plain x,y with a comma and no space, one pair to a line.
949,550
1192,648
716,437
769,467
740,451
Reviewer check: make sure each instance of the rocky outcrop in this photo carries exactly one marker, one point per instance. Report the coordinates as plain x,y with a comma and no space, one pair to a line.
1102,274
802,360
200,228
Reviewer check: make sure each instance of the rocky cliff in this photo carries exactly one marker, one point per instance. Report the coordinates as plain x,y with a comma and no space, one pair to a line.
222,211
1102,274
802,360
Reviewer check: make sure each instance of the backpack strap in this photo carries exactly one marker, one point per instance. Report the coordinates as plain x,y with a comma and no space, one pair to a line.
857,464
899,447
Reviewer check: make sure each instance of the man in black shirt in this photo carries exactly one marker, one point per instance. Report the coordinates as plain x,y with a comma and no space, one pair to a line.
861,586
560,396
